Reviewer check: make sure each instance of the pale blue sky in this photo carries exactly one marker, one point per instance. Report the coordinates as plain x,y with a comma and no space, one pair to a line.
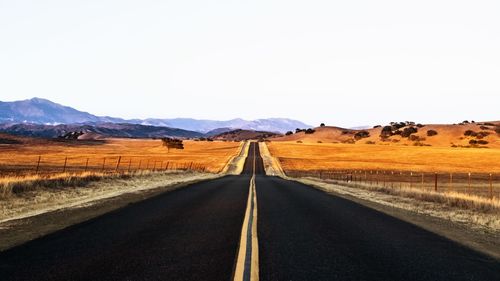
347,63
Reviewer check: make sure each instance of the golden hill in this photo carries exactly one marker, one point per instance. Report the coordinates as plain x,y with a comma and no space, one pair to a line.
479,134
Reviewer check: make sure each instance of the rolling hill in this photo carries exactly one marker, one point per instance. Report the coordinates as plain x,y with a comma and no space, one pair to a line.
103,130
479,134
241,135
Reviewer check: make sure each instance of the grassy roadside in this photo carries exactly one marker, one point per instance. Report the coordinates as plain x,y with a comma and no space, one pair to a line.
73,192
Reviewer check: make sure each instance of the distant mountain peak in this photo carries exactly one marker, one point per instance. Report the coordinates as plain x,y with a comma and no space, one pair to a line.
42,111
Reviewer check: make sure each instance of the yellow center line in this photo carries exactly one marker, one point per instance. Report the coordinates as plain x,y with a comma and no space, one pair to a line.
247,264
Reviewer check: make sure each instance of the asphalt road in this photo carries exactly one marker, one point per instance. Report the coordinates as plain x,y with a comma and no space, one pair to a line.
193,234
306,234
187,234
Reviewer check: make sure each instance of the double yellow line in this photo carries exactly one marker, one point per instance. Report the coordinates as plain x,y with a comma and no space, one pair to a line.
247,263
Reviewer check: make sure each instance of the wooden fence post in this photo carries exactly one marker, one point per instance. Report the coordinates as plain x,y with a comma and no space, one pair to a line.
411,179
451,181
140,162
491,187
129,164
38,164
118,163
103,164
435,182
422,181
466,191
87,165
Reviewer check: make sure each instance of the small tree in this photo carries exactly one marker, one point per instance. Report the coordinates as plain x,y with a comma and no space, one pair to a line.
172,143
431,133
386,132
408,131
322,125
289,133
361,134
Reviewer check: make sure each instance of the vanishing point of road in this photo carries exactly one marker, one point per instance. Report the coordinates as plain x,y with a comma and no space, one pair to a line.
245,227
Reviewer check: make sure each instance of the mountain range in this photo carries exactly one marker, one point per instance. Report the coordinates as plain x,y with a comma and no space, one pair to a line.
45,112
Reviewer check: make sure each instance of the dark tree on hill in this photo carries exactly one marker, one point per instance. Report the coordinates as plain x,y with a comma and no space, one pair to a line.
408,131
172,143
386,132
310,131
322,125
431,133
289,133
361,134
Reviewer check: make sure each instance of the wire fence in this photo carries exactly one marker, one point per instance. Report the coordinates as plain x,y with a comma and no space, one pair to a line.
479,184
49,165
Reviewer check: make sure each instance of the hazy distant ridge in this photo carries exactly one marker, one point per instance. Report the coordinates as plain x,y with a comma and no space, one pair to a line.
42,111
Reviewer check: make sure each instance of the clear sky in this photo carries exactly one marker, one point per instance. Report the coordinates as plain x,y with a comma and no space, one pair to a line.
346,63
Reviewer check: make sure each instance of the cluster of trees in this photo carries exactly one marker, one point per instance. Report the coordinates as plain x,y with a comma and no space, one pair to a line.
478,142
392,130
171,143
298,130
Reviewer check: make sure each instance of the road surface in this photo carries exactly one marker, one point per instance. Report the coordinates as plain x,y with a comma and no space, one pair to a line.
194,234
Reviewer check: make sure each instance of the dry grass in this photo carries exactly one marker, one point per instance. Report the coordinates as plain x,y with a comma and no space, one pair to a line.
13,185
42,195
22,158
295,156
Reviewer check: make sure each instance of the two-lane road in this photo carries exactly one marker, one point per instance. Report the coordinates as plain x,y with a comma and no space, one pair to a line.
194,233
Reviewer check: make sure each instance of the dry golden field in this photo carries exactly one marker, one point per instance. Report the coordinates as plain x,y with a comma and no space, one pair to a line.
104,156
323,156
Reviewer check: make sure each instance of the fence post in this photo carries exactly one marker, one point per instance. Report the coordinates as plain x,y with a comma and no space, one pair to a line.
87,165
154,166
435,182
140,162
38,164
411,179
129,164
65,162
491,187
451,181
468,183
118,163
103,164
166,167
422,181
